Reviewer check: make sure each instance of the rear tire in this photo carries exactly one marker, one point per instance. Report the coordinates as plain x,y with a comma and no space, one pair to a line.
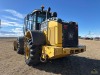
15,45
20,50
20,45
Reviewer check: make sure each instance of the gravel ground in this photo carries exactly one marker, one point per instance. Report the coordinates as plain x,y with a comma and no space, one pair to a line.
86,63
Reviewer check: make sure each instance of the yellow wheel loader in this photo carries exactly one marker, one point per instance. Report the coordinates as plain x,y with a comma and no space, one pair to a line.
48,37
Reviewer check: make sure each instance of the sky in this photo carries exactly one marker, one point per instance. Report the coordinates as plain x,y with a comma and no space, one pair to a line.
85,12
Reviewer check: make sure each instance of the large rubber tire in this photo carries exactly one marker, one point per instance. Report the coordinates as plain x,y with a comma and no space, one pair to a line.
19,49
15,45
20,43
34,54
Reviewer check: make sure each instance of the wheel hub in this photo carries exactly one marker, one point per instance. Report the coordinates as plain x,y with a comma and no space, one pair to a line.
27,52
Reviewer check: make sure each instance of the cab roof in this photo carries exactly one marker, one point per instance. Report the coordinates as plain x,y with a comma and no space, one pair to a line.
38,10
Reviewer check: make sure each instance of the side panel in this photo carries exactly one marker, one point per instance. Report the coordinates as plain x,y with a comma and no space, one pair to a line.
54,33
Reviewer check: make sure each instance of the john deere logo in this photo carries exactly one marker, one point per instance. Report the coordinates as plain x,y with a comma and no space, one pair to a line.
70,35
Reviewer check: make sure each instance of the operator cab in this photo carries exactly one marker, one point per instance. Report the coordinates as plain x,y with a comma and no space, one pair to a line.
38,17
33,21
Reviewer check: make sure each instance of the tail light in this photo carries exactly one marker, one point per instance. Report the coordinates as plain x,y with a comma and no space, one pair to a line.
65,26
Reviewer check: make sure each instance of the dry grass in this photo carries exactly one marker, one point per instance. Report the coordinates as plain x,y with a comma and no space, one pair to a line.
80,64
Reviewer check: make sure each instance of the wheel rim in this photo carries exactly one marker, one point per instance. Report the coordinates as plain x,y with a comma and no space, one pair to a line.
27,52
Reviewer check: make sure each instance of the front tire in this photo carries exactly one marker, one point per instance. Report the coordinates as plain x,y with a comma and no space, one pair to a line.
32,54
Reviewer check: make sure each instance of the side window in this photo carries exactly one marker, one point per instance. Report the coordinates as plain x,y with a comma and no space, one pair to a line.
29,23
25,24
34,21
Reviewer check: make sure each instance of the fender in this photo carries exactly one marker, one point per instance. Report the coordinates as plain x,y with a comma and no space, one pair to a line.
37,37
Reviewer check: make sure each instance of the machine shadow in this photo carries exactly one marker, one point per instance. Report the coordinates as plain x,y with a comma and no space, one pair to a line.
71,65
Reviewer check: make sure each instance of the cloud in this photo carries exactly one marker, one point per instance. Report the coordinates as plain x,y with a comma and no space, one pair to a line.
15,13
10,23
15,32
18,31
11,18
7,35
7,32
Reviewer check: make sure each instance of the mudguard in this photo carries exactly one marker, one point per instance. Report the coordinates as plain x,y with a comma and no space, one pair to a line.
37,37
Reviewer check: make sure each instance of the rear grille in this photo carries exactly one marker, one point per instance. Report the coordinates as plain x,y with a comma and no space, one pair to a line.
70,34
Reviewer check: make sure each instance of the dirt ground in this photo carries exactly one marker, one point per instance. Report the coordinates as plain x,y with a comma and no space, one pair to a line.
87,63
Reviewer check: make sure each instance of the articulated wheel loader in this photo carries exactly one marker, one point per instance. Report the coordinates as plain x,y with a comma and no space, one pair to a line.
47,37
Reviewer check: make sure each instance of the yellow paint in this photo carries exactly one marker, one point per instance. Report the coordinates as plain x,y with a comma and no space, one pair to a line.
54,34
53,48
28,34
57,52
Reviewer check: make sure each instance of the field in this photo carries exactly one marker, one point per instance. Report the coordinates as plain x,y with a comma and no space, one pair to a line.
87,63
